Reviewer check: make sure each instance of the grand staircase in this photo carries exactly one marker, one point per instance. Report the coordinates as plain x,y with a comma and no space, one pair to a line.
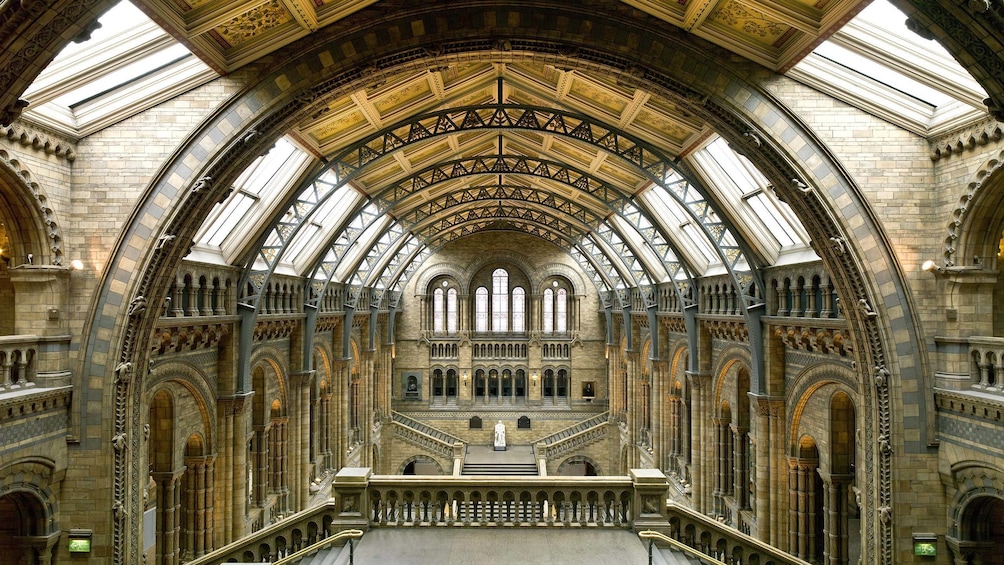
503,469
516,461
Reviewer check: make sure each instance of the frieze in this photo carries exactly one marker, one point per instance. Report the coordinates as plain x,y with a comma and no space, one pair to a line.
967,139
731,330
815,339
327,323
40,140
674,324
266,330
188,337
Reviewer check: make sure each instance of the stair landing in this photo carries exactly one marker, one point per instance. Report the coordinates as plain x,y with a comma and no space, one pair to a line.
484,460
500,546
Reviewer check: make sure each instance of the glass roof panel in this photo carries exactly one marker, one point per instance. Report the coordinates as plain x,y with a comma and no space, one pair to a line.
255,193
877,64
746,192
112,64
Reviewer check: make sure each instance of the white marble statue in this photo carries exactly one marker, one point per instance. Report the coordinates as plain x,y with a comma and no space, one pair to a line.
500,436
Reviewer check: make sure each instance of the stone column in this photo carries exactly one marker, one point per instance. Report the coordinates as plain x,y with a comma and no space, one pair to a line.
702,449
298,439
835,525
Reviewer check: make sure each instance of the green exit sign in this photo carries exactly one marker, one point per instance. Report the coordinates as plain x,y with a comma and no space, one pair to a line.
80,545
925,548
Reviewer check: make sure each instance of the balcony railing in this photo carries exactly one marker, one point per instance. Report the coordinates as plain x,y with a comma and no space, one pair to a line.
28,361
363,501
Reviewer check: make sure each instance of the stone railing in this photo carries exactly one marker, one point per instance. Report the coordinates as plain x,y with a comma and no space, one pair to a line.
283,538
803,291
713,538
425,436
362,501
417,501
572,437
28,361
986,363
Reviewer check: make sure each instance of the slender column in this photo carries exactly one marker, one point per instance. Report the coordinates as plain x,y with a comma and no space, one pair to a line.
176,293
701,450
739,467
193,298
766,530
824,295
782,298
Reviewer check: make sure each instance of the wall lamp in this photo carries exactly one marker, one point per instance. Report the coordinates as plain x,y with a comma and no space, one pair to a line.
931,267
533,377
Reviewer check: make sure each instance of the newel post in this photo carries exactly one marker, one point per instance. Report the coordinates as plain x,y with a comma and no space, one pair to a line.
351,497
648,502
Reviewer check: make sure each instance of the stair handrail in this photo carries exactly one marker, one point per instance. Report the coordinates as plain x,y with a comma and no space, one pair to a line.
409,422
349,534
652,536
591,422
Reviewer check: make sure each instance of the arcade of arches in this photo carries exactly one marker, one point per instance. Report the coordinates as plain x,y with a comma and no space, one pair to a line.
371,230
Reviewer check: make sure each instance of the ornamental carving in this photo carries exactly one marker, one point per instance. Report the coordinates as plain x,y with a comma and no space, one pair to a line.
731,330
265,330
188,338
819,340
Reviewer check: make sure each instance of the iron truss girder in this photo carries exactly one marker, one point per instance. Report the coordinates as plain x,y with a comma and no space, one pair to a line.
645,157
427,212
611,196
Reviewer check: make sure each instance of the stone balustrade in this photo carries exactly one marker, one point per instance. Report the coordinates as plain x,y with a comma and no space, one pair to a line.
986,363
363,501
711,537
500,501
28,361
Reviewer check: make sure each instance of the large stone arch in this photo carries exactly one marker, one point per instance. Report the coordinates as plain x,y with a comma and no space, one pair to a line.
196,382
24,203
305,76
32,477
974,230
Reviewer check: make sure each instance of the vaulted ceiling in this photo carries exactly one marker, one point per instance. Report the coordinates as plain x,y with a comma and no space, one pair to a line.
569,155
229,34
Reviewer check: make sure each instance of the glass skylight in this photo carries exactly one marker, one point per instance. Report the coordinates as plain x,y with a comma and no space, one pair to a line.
878,65
128,64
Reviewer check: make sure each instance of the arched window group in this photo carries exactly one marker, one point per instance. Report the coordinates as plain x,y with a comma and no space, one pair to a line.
504,310
554,309
501,304
444,308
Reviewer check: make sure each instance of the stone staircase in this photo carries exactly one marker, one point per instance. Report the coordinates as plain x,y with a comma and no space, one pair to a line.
500,469
414,424
570,431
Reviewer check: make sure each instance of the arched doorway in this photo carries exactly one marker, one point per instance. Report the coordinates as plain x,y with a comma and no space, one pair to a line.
981,532
23,538
842,516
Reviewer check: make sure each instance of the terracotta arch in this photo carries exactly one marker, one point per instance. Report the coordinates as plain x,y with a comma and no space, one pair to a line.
723,95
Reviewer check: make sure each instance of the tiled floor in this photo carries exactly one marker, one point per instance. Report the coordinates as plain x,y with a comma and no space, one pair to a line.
500,546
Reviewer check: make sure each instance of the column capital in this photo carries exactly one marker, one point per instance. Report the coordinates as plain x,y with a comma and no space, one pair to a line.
233,405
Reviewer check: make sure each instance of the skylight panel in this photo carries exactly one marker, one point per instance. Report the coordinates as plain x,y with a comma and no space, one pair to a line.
127,65
746,192
116,21
125,75
881,73
255,192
